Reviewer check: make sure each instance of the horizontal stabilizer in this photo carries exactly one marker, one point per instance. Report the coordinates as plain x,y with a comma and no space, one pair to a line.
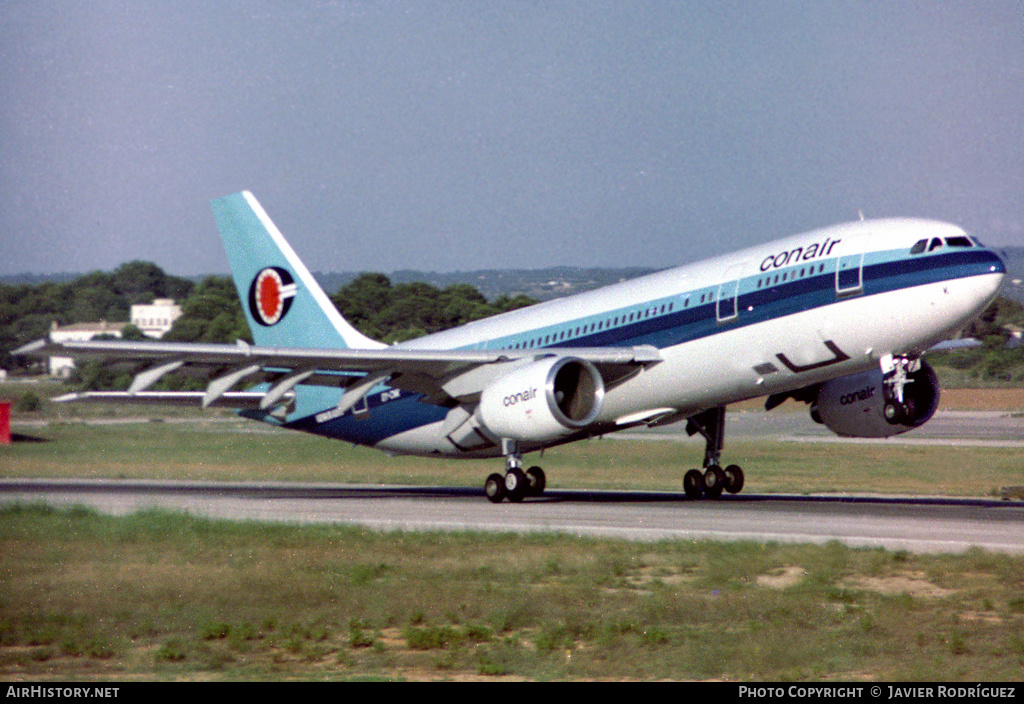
191,399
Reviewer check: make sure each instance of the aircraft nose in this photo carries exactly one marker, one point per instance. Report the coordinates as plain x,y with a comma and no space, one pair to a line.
998,266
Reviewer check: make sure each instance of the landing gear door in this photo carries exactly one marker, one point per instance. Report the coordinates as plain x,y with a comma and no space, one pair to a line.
727,305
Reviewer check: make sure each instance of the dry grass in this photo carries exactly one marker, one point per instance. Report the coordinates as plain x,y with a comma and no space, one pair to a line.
162,596
999,399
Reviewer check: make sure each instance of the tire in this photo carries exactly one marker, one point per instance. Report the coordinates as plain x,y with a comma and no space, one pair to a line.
891,411
733,479
516,485
537,481
693,484
714,482
494,488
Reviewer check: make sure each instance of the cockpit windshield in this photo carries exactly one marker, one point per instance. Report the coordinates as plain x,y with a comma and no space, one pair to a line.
937,243
959,242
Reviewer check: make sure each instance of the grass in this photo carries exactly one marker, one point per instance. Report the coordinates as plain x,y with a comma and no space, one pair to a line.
242,451
197,445
165,596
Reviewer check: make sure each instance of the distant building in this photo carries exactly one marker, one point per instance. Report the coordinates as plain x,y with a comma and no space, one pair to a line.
155,319
78,332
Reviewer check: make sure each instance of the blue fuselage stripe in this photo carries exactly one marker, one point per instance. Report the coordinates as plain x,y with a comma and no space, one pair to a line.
759,299
773,301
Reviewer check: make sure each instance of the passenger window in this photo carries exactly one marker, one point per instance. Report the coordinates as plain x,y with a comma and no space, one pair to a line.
919,246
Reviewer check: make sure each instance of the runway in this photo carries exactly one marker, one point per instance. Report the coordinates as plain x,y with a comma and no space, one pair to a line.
925,525
897,523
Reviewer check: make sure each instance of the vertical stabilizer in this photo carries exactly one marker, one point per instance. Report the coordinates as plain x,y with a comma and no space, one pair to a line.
283,303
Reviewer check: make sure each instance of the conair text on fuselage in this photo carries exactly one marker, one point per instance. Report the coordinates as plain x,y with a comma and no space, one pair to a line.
800,254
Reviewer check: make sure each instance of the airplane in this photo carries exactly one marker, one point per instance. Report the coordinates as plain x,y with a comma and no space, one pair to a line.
838,318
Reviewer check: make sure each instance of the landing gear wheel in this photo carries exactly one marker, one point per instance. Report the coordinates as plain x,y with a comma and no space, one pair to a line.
536,481
516,485
733,479
494,488
693,484
714,482
892,412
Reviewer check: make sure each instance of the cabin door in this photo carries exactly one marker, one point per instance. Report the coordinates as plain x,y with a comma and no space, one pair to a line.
728,294
850,269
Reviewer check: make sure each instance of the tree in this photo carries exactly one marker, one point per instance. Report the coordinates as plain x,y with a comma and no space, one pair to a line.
132,333
362,300
395,313
211,313
141,282
992,326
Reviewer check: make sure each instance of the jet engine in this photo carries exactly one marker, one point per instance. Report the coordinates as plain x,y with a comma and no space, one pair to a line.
543,400
877,405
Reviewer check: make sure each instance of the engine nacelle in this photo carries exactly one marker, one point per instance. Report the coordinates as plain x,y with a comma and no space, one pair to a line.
866,406
543,400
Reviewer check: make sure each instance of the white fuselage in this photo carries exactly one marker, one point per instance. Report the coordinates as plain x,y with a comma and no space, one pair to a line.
769,319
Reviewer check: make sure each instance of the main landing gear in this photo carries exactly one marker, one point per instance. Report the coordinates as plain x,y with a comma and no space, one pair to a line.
516,485
713,480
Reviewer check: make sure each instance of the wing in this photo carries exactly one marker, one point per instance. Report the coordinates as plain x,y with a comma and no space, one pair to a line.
444,377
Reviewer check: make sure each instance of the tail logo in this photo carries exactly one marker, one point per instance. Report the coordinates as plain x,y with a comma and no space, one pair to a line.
271,294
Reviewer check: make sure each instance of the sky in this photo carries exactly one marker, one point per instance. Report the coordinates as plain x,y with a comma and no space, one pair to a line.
446,136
